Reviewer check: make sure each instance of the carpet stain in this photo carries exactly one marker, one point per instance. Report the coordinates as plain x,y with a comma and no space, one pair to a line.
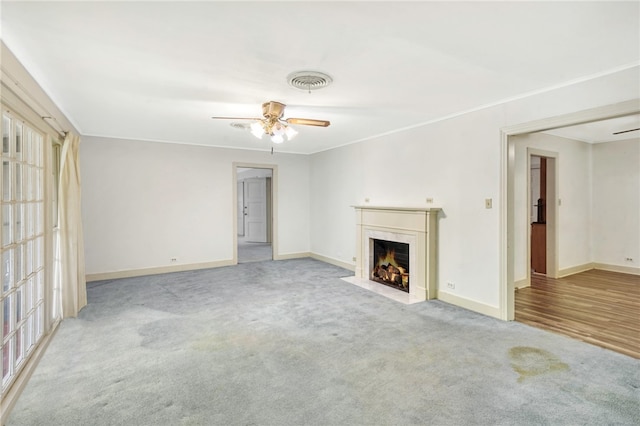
531,362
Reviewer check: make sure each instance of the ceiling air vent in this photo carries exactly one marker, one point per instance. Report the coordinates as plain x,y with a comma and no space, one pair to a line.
309,80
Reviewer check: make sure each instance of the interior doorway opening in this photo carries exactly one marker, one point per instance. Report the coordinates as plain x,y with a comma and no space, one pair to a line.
543,201
254,214
508,194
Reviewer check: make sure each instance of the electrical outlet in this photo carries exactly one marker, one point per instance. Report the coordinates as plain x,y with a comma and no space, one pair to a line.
451,285
353,258
366,200
629,259
488,203
173,259
429,200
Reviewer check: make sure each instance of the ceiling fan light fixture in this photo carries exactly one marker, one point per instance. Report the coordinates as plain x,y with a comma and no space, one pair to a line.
273,124
257,129
290,132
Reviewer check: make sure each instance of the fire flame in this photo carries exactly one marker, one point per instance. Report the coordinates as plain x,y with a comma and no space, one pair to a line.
390,259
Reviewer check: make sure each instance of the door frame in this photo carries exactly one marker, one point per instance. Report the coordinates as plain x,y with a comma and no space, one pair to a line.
552,221
507,162
272,206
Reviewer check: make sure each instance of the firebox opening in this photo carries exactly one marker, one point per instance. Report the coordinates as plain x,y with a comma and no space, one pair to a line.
390,264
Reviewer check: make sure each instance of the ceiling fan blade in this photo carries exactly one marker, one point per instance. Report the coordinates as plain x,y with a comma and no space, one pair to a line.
626,131
236,118
308,122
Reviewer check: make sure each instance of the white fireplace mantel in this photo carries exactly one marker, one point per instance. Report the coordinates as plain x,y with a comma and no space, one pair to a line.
414,225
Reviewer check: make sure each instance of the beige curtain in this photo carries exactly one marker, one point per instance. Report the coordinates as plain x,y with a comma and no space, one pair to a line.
73,289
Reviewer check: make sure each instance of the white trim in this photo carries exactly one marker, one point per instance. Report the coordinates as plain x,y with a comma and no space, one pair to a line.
565,272
525,282
129,273
469,304
617,268
349,266
11,397
506,299
299,255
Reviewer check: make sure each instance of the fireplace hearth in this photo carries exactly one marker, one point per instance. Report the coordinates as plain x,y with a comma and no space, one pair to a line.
390,264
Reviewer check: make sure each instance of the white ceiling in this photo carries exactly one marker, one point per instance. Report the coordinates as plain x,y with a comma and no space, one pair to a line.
602,131
160,70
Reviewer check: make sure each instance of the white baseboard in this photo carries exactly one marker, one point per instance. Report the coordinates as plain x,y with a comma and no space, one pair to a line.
11,397
617,268
114,275
522,283
288,256
349,266
575,269
471,305
595,265
157,270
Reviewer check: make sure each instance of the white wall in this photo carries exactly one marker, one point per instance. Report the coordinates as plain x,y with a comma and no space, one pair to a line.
616,203
145,203
574,190
455,161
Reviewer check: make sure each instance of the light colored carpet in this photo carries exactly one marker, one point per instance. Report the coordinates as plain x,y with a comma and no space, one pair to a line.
253,252
290,343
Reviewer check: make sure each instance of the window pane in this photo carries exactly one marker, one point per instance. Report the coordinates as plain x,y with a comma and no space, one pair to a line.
18,228
39,321
6,135
17,271
28,295
7,181
7,234
18,352
39,215
28,338
19,305
38,143
17,187
39,186
6,316
28,258
39,287
18,141
7,270
38,253
6,356
30,219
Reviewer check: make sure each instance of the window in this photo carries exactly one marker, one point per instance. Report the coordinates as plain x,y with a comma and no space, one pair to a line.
22,245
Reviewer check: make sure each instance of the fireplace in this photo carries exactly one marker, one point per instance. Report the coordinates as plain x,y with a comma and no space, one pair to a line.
390,263
411,234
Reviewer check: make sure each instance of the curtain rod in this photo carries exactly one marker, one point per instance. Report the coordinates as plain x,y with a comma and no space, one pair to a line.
60,130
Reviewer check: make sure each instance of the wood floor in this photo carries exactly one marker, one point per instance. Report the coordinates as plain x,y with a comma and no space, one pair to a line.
598,307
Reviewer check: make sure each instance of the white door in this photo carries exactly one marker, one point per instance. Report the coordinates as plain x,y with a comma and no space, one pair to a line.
240,209
255,203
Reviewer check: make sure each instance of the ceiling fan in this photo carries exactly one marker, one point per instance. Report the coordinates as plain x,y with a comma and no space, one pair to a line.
274,125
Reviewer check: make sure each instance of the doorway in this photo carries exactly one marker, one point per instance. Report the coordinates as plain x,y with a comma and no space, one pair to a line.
254,213
507,186
542,213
